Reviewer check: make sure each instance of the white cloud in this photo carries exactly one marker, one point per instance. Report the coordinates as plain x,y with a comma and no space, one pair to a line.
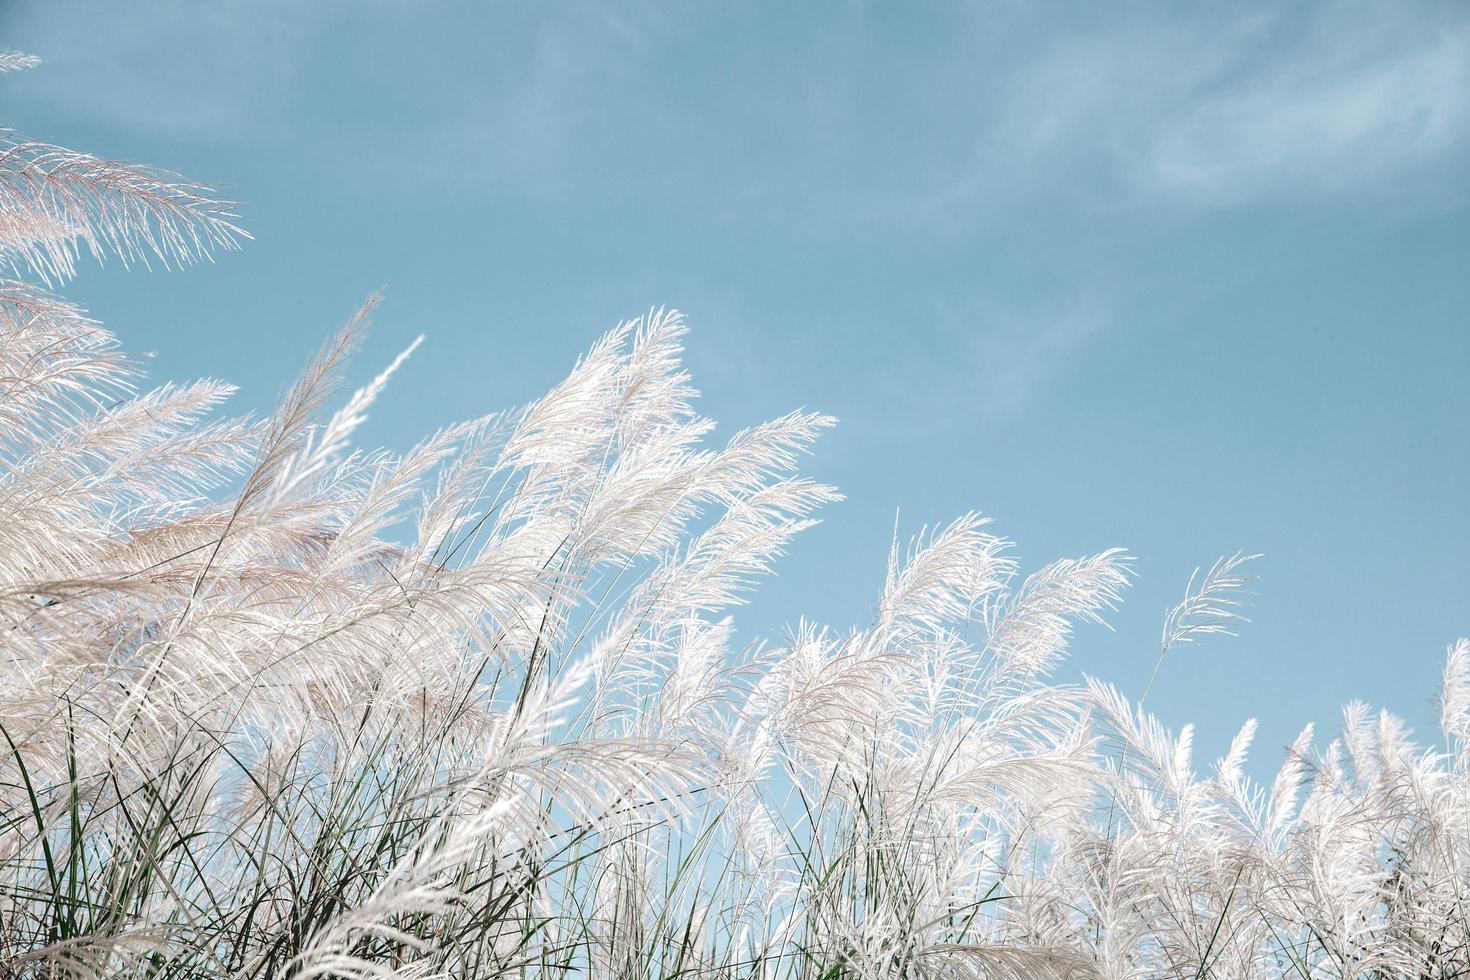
1235,105
1320,122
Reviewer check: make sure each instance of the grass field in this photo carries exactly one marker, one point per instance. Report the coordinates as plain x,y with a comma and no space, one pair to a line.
274,706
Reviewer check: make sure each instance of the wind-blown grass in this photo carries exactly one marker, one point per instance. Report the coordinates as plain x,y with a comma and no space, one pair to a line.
277,707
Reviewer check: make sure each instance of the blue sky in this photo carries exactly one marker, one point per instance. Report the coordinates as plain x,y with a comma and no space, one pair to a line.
1181,278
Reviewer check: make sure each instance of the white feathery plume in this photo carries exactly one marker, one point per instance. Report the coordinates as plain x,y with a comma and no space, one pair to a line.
57,202
1211,609
17,61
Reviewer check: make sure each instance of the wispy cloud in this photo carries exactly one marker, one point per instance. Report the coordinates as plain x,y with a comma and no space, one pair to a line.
1014,364
999,361
832,115
1339,116
1235,104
